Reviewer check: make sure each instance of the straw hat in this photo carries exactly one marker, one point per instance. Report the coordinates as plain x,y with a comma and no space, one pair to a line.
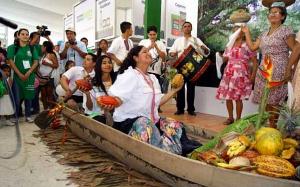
268,3
240,16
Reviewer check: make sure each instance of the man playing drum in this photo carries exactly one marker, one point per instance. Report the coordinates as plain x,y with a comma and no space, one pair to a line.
176,50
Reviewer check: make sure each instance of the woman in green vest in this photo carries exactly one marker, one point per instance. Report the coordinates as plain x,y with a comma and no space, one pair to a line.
23,59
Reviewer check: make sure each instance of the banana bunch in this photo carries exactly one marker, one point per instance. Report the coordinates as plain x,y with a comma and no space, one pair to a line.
238,145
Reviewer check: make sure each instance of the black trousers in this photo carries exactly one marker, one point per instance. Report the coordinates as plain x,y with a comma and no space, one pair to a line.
180,100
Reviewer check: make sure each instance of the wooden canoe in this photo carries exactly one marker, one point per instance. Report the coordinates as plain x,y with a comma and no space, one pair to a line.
169,168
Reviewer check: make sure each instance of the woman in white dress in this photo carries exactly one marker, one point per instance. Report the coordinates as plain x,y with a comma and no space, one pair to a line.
139,95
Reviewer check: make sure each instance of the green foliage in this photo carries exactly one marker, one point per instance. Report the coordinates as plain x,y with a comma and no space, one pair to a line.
239,126
213,23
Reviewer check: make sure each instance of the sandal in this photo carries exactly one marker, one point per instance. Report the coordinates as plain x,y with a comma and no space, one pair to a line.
228,121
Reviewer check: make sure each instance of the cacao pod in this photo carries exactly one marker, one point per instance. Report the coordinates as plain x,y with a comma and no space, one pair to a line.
207,156
107,100
288,153
83,84
289,142
274,166
177,81
250,154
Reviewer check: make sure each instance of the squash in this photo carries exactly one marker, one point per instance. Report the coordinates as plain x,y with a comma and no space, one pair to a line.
274,166
177,81
107,100
269,144
263,130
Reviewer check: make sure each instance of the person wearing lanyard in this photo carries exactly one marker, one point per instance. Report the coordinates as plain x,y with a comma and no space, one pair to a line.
23,60
72,49
176,50
139,96
121,45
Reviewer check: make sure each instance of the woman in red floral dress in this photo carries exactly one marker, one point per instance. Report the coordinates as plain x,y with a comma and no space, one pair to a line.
236,83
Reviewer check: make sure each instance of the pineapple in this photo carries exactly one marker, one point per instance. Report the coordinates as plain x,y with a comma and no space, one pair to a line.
288,121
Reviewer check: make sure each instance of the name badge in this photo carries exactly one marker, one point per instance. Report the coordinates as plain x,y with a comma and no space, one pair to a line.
26,64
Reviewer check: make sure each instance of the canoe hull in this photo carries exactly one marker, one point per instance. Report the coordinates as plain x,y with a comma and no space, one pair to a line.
169,168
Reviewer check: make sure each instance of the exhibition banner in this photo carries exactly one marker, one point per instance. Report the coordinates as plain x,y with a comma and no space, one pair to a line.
176,15
105,19
84,15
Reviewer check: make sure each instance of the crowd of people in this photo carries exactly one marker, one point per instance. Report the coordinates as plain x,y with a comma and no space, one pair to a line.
132,75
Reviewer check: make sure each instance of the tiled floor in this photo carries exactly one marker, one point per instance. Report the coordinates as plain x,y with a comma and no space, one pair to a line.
204,121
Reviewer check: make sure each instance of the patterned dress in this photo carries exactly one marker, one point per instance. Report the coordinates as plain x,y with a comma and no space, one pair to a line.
296,82
277,48
236,84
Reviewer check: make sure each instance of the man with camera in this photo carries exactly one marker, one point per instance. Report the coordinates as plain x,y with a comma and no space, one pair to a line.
72,49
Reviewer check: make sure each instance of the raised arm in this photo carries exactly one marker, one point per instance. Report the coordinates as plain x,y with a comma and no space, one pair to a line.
253,46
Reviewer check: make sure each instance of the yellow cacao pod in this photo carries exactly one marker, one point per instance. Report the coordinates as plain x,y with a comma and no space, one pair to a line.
177,81
289,142
274,166
288,153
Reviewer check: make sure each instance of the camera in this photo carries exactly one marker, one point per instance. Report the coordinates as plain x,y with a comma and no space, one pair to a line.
43,30
72,42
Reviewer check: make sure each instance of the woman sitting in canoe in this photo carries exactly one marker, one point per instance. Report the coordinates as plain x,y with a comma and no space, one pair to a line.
104,78
138,96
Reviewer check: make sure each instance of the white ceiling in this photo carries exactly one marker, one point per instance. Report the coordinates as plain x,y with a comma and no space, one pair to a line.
30,13
56,6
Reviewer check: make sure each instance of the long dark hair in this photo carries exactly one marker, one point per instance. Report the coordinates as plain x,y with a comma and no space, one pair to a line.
97,80
129,61
99,51
17,41
49,47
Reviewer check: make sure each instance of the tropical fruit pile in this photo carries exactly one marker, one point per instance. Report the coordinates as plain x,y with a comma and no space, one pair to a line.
241,147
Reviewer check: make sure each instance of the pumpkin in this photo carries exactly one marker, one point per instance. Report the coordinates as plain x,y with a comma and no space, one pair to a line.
263,130
269,144
83,84
177,81
107,100
274,166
